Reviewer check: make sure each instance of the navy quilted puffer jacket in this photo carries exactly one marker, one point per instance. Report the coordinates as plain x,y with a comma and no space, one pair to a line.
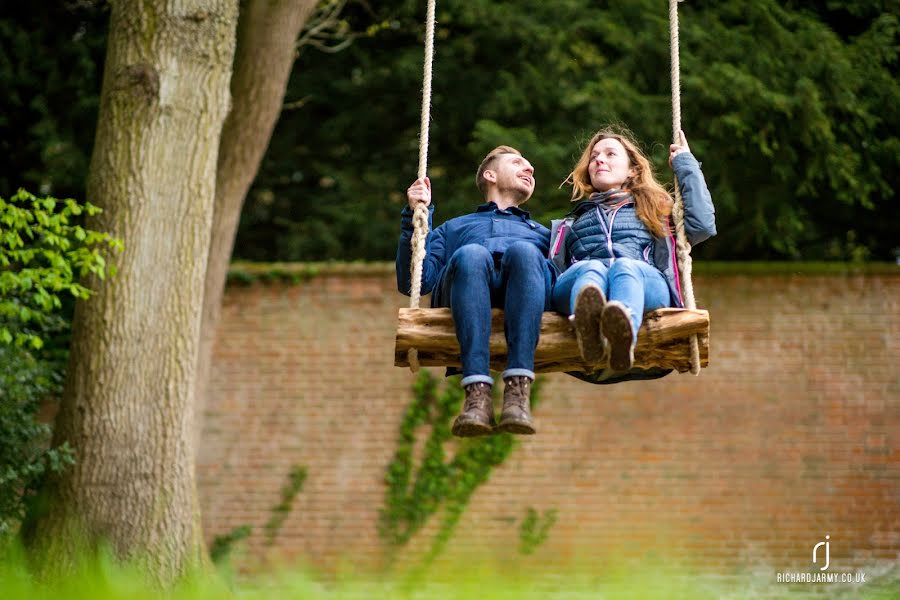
589,233
599,234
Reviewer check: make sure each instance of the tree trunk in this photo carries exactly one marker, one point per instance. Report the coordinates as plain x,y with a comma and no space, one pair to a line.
127,408
267,35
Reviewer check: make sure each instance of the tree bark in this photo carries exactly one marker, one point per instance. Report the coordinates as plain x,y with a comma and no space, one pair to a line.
127,409
267,34
663,341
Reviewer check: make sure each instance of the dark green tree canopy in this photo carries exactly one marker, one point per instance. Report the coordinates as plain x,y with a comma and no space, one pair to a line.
791,106
51,63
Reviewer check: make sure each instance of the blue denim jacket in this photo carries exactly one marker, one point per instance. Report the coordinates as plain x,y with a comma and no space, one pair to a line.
488,226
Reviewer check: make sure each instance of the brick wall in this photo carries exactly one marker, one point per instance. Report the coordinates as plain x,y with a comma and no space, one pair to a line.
788,436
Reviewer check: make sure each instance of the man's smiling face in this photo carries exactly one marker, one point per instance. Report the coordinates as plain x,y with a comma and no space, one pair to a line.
515,176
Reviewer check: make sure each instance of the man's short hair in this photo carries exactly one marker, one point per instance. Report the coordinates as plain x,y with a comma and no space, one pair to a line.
488,163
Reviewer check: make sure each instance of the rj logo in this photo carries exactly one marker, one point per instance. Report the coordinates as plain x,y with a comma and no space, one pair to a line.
827,552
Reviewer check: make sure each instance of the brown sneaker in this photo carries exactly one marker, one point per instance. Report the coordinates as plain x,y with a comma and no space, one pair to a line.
477,416
586,319
516,416
617,329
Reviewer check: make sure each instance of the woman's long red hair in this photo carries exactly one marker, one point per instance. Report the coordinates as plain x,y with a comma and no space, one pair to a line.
652,202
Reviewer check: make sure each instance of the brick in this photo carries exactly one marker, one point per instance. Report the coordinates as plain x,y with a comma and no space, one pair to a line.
789,435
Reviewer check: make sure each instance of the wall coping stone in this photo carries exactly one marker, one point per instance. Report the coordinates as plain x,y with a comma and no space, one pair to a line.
246,273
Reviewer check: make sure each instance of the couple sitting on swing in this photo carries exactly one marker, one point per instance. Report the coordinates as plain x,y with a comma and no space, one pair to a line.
610,260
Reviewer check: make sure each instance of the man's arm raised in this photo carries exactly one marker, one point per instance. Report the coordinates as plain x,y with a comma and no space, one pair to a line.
419,192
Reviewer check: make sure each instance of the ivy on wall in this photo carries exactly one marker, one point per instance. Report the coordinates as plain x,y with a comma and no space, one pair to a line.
438,482
281,511
223,545
534,529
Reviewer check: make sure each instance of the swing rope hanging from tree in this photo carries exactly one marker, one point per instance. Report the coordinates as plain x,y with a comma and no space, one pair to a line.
669,338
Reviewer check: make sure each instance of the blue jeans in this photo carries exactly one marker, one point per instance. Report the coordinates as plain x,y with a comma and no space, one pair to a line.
520,283
634,283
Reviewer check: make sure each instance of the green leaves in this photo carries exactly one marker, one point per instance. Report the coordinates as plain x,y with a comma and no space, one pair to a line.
50,71
792,107
43,254
419,489
280,512
27,378
534,529
787,104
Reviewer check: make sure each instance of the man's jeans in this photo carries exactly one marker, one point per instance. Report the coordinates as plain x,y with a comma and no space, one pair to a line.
520,284
636,284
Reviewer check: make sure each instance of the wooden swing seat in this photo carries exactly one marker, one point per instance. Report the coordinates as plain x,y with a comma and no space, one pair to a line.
665,338
663,341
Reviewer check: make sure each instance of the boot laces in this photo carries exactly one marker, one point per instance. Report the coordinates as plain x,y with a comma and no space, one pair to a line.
478,396
519,392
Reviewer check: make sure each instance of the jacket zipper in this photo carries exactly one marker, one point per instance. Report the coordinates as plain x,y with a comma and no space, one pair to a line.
608,230
559,238
674,258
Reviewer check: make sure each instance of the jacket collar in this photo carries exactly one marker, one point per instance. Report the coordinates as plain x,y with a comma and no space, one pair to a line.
492,206
609,197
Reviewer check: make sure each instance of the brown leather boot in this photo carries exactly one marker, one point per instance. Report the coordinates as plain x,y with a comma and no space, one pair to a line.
477,416
516,416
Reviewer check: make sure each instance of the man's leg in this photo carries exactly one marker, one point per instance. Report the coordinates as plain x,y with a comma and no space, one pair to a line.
525,282
468,286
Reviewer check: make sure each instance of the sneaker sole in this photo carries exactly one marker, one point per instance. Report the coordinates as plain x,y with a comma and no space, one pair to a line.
517,427
617,329
588,309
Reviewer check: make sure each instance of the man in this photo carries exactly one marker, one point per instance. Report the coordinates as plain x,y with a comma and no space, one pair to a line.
493,257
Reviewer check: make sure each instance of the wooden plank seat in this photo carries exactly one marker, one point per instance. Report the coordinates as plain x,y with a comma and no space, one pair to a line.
663,341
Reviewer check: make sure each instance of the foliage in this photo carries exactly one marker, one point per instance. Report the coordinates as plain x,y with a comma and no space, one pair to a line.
792,106
222,545
280,512
51,62
534,529
26,378
97,576
415,493
43,252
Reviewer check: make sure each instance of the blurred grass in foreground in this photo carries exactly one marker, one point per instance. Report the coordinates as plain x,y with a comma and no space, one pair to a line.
103,578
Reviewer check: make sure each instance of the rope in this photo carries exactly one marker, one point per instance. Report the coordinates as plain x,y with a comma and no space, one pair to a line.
420,213
682,247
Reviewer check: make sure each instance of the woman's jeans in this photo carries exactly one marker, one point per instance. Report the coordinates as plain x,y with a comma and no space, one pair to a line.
520,283
636,284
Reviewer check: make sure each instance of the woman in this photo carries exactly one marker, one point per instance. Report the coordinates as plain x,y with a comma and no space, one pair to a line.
616,249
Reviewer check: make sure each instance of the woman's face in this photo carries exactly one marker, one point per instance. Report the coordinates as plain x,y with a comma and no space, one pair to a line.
609,166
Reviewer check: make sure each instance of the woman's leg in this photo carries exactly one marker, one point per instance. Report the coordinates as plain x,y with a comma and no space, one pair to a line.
580,292
634,287
573,280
